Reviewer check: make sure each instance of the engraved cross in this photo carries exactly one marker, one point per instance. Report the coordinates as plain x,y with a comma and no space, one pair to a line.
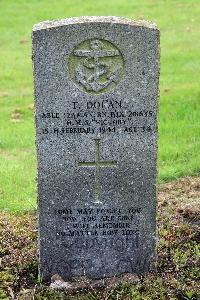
98,164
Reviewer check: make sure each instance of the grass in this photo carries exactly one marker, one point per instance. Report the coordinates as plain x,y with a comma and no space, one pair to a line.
179,126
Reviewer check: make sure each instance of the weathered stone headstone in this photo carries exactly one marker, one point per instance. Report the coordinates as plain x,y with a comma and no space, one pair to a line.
96,89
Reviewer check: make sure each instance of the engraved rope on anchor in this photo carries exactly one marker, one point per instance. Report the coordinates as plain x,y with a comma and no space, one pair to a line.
102,74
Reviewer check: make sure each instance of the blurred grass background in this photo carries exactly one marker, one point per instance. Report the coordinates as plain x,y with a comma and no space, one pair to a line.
179,119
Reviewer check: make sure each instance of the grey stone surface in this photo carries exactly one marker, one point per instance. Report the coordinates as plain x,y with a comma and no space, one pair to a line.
96,90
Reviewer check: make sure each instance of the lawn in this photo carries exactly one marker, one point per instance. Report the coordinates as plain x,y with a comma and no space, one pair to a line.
179,126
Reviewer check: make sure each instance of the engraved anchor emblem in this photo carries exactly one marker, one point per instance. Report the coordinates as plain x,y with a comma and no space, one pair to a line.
95,73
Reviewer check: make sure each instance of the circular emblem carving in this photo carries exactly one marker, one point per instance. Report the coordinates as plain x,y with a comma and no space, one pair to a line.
96,66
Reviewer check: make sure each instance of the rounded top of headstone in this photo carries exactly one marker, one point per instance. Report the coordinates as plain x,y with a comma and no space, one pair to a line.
93,19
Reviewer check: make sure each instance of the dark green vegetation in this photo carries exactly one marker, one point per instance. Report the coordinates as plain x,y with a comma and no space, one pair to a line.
178,254
179,126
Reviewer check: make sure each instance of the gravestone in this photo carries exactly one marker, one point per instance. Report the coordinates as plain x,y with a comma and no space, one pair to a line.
96,90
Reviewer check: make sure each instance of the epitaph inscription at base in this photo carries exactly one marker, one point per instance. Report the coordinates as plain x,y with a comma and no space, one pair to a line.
96,89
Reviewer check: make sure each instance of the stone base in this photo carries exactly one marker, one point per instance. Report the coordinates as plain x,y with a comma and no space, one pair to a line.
83,282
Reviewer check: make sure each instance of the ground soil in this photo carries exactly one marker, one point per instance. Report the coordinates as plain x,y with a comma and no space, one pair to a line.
177,274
